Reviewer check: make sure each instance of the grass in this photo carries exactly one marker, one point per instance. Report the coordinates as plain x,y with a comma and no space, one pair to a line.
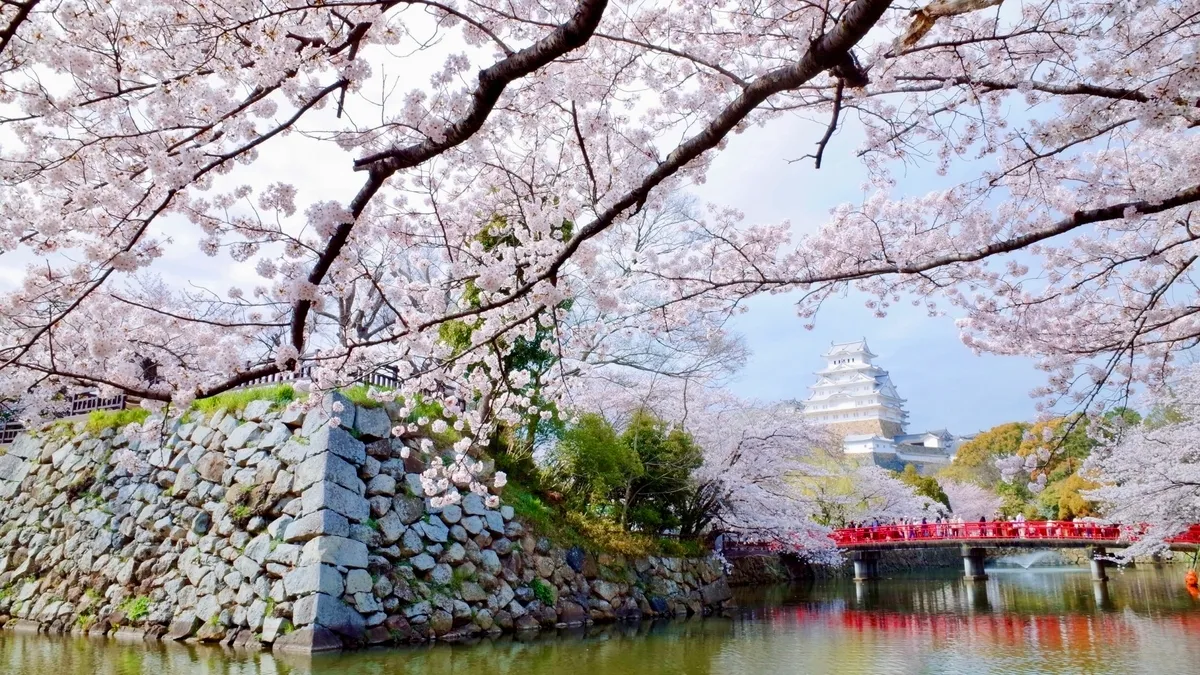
280,395
544,592
593,533
240,513
136,609
458,577
360,396
100,420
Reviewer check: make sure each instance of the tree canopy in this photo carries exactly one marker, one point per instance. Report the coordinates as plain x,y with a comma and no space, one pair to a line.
334,162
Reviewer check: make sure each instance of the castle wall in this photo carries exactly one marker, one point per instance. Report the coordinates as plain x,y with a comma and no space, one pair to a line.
271,529
885,428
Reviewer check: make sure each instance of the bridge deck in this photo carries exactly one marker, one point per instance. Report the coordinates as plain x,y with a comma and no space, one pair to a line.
1029,534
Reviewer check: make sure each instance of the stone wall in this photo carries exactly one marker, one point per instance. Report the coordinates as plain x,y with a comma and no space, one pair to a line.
885,428
270,528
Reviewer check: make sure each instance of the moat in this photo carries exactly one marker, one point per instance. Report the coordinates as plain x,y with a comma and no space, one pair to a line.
1049,620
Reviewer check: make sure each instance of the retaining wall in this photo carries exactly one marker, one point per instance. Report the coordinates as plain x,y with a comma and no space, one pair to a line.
269,528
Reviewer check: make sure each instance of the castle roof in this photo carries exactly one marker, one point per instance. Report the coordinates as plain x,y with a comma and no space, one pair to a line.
855,347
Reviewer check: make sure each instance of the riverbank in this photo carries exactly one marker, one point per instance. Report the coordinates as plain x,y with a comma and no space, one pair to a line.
919,623
267,527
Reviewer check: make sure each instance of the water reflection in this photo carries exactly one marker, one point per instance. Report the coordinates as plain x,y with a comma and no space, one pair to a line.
1142,621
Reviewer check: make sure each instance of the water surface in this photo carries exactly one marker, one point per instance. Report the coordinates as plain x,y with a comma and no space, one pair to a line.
1035,621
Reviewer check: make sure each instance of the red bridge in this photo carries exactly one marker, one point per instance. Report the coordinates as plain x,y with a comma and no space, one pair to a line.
1029,534
866,543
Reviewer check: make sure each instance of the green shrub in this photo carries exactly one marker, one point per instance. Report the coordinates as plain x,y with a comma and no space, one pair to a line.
240,513
458,577
680,548
544,592
100,420
135,609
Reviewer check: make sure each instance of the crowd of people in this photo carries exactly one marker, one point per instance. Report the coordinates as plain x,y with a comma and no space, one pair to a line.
955,527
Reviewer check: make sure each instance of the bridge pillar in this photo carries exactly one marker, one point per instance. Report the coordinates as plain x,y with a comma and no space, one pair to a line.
973,563
866,565
977,597
1100,592
1098,565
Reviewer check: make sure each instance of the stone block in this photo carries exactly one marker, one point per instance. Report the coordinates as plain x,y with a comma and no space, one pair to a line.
25,447
323,522
258,548
326,467
451,514
495,522
716,592
256,410
441,574
243,435
358,581
338,551
13,468
339,442
212,466
313,579
306,640
382,484
423,562
184,626
327,495
472,524
391,528
272,628
373,423
278,434
408,509
435,530
329,612
473,505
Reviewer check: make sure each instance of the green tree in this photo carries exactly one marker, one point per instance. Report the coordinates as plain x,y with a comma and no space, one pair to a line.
654,500
925,486
975,461
593,463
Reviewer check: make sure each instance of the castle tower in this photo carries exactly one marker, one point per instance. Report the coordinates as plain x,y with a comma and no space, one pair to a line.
853,396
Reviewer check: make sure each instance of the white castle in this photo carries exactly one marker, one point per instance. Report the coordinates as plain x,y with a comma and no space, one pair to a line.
857,400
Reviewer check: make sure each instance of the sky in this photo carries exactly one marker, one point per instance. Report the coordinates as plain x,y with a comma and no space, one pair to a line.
945,383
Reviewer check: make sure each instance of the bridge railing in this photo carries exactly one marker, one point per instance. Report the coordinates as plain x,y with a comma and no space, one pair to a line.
1059,530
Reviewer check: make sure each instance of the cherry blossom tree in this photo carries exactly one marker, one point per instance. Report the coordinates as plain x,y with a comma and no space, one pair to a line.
1076,247
970,501
135,135
132,127
766,472
1150,474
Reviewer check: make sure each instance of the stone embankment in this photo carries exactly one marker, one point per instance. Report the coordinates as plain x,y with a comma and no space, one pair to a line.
272,528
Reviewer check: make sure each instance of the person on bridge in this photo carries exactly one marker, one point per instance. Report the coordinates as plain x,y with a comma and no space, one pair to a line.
1020,520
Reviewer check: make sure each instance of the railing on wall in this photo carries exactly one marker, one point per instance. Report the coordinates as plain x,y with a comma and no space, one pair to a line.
387,376
81,404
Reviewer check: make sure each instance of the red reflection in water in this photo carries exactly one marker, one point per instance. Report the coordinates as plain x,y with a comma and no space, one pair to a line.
1052,632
